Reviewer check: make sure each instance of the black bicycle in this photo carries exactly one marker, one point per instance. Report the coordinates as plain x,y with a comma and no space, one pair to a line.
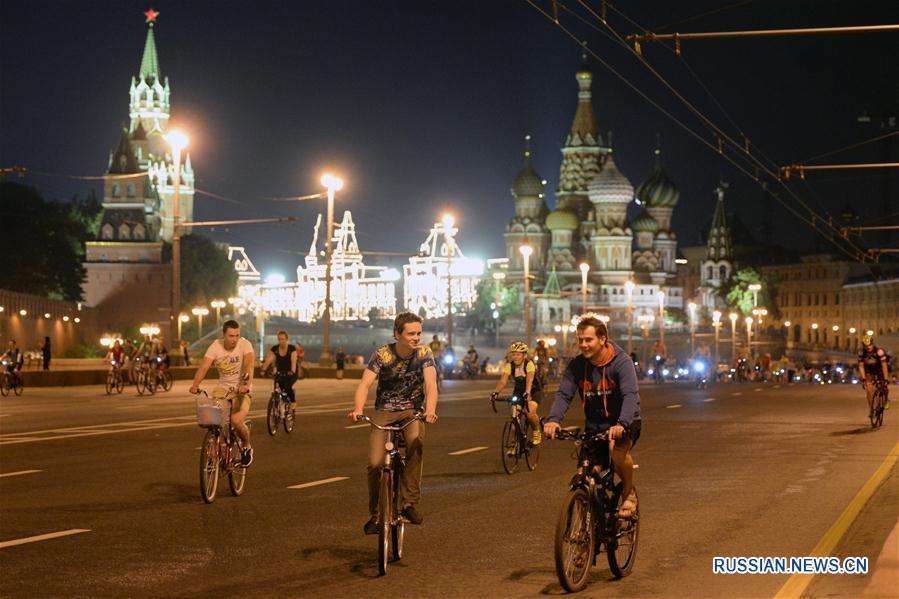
280,409
114,379
10,380
516,441
589,521
221,450
164,379
391,525
877,403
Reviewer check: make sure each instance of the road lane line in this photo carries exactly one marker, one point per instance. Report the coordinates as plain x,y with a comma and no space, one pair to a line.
777,386
708,399
737,393
757,389
366,425
674,405
46,537
319,482
19,472
469,450
797,583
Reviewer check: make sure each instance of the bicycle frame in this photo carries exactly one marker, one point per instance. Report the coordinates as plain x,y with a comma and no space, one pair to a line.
600,488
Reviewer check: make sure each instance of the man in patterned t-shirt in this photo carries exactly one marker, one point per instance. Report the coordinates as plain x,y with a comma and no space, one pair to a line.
406,377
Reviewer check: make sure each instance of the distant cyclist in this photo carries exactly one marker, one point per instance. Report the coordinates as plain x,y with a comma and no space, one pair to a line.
115,357
522,371
14,357
541,360
233,357
284,356
873,370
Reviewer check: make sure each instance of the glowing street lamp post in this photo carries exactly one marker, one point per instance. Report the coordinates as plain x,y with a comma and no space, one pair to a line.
733,336
333,184
182,318
716,322
692,308
526,252
661,296
218,305
200,313
629,287
497,277
755,288
749,335
585,268
178,141
448,223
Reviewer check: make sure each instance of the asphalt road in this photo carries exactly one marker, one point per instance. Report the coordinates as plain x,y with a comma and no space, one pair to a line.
734,470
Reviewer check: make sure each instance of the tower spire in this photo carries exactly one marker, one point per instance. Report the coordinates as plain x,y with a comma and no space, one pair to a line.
149,64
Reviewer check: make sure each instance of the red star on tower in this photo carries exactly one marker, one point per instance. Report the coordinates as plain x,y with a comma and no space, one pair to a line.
151,16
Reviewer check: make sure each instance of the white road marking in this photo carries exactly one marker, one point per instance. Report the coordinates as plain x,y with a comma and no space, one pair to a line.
757,389
319,482
777,386
708,399
366,425
737,393
133,407
674,405
469,450
46,537
19,472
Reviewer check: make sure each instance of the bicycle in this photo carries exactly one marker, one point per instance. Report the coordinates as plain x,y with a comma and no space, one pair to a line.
145,381
163,376
391,526
280,409
221,450
516,437
11,381
589,522
880,397
114,378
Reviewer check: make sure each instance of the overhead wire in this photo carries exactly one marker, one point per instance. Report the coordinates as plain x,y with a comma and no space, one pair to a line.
703,14
849,147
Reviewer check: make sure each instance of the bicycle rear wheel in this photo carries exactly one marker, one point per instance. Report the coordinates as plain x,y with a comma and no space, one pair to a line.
167,380
4,384
209,467
622,549
119,383
237,475
533,453
271,419
150,383
509,448
20,387
140,383
384,518
574,541
290,415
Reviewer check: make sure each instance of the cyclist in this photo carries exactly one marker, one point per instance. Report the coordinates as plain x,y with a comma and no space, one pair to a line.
130,351
233,357
873,370
436,346
523,373
116,354
701,362
160,354
605,377
406,378
340,362
284,355
15,359
472,361
541,359
659,354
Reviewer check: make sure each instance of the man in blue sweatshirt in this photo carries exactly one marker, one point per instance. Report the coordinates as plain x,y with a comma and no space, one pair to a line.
605,377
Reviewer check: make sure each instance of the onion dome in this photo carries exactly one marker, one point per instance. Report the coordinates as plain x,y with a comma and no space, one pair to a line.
562,219
610,186
644,223
527,182
658,189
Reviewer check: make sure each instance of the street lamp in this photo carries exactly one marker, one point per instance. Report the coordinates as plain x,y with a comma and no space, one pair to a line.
645,325
497,277
749,335
692,308
448,223
716,322
661,296
629,288
733,336
526,252
200,313
755,288
182,318
585,268
218,305
333,184
177,140
815,328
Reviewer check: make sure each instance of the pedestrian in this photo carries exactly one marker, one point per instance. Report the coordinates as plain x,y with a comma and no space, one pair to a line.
185,352
301,353
340,358
45,352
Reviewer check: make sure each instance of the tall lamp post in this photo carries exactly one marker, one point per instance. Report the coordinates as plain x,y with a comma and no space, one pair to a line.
749,336
755,288
692,308
661,296
526,252
716,322
629,288
200,313
333,185
177,140
218,305
182,318
585,268
733,336
497,277
448,231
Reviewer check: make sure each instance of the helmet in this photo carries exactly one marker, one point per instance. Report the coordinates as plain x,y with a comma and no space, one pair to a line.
518,346
867,340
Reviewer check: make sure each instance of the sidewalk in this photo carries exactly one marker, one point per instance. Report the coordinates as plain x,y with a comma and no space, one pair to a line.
885,578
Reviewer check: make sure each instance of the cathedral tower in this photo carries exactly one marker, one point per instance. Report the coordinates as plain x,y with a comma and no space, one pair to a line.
527,227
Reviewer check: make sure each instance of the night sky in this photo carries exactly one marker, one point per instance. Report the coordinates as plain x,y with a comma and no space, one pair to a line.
423,106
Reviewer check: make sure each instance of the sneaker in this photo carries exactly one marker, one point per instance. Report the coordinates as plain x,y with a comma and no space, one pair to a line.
411,514
246,457
886,405
371,527
536,437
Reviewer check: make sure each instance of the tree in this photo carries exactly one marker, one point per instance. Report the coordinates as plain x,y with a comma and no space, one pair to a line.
44,241
481,315
737,295
206,272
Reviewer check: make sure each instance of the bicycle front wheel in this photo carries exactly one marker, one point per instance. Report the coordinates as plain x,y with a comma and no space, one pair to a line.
384,518
271,419
110,383
140,383
877,409
119,383
622,547
574,541
167,380
20,387
533,454
209,467
397,530
4,385
509,448
290,415
237,475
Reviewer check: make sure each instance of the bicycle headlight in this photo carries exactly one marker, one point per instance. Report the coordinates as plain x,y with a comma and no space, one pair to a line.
389,446
448,359
699,366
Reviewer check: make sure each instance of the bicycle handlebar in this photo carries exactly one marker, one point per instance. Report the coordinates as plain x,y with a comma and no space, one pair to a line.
578,435
392,427
510,399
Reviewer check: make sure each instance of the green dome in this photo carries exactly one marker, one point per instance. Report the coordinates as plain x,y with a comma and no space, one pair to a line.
644,223
658,190
562,219
527,183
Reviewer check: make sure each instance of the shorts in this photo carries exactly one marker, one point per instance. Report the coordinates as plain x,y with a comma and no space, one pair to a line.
240,403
